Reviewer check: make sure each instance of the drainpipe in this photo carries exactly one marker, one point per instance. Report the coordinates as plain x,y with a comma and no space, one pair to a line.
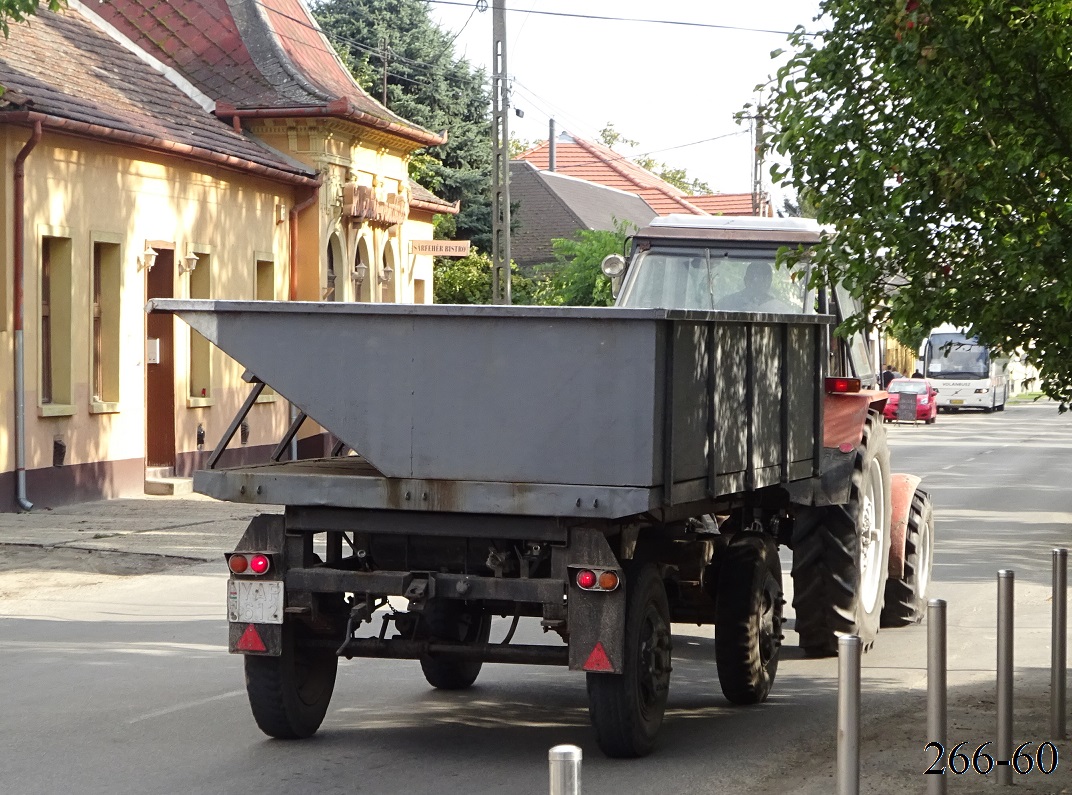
314,194
20,353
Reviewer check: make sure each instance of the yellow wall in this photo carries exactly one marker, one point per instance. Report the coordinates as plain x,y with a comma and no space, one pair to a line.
87,191
343,153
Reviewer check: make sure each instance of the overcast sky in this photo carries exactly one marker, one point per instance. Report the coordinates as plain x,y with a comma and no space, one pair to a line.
665,86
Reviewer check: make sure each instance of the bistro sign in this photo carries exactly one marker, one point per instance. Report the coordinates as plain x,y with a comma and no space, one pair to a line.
440,248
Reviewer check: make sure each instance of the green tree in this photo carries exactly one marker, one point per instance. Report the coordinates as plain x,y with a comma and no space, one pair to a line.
467,280
803,207
19,10
519,146
936,137
428,86
577,277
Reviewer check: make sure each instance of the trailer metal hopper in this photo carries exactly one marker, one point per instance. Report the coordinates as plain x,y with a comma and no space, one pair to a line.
543,410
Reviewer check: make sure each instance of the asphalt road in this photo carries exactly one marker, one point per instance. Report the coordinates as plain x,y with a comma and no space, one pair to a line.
123,683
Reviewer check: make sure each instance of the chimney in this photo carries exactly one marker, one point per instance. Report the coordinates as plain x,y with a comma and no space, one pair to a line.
551,145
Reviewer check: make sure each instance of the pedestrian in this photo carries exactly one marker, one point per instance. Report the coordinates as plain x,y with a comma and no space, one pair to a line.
888,375
917,374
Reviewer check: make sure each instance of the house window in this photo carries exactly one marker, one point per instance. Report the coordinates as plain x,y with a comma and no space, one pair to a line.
200,348
264,289
104,310
56,321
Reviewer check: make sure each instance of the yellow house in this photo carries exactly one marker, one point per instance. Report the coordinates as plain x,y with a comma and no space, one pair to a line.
205,149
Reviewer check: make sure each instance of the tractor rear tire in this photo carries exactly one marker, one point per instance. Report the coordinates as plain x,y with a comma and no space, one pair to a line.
841,554
906,599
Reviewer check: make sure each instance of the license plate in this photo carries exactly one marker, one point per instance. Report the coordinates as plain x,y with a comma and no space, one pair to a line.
957,402
255,601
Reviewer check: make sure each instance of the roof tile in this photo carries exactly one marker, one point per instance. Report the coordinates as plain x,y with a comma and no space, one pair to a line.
253,53
67,68
597,163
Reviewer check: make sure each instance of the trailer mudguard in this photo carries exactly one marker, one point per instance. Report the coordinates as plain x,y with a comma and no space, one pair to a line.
902,488
596,619
265,533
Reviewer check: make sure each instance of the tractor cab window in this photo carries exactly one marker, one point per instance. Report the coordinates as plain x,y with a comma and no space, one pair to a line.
714,280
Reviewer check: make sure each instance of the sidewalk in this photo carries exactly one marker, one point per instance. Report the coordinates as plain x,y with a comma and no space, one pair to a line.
190,526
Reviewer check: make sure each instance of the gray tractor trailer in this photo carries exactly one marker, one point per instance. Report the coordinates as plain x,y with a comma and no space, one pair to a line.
607,472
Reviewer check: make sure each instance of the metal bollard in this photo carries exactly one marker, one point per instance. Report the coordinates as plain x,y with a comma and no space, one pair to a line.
565,768
1059,645
936,685
1006,580
848,732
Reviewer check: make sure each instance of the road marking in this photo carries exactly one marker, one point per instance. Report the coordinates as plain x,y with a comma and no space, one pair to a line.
188,705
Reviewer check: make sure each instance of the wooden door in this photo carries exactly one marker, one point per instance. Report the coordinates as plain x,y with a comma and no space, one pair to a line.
160,376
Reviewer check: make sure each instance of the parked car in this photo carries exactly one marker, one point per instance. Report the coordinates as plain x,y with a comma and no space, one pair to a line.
920,391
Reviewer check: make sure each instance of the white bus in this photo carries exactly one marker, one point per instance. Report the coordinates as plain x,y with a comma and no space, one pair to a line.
966,374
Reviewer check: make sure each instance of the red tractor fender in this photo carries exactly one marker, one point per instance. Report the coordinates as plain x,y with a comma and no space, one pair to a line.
902,489
844,414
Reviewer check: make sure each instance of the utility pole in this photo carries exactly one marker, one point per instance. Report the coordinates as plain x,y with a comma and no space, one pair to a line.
385,71
757,174
500,154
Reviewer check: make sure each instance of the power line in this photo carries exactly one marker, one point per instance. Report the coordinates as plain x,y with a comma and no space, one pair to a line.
481,5
677,22
539,100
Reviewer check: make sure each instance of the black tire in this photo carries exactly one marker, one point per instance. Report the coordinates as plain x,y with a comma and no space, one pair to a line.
289,694
748,628
841,554
627,708
450,620
906,599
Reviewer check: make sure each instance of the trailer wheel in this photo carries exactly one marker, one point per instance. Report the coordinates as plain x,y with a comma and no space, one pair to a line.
748,628
289,694
453,621
906,599
841,554
627,708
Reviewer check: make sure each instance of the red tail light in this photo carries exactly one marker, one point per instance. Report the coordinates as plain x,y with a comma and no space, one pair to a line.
586,579
249,562
842,384
597,580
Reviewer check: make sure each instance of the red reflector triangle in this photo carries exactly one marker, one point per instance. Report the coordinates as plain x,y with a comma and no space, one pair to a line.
251,640
598,660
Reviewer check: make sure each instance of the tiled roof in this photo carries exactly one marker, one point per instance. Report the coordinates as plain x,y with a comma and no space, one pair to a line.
731,204
62,68
253,54
553,205
424,199
597,163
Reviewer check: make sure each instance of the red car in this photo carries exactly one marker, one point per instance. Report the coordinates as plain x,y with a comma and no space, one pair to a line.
916,393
